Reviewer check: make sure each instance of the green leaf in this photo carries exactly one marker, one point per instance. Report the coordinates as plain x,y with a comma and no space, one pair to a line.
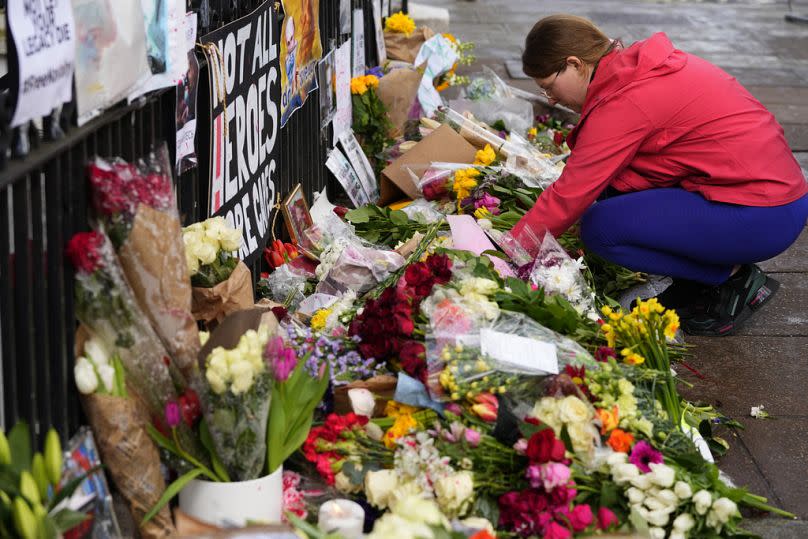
359,215
207,443
19,441
486,507
565,437
172,490
162,441
399,218
66,519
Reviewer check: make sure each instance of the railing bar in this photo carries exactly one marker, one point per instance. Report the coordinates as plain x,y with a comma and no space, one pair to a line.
41,303
11,401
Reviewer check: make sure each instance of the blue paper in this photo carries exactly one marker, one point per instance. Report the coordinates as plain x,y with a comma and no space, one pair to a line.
412,392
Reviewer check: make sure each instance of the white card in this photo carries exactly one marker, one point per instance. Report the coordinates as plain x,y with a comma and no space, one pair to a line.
522,353
339,165
358,43
377,23
360,163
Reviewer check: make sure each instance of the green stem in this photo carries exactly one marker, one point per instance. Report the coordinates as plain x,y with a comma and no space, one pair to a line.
187,456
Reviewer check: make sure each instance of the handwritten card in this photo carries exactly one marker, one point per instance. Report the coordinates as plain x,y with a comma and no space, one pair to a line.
522,353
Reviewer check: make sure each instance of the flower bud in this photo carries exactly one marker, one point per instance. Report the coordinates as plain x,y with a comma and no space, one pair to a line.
40,475
53,457
5,449
28,487
24,521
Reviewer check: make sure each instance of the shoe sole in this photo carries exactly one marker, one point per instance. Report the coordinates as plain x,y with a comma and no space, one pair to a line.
764,294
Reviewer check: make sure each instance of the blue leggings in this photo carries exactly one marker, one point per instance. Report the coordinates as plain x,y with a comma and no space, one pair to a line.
681,234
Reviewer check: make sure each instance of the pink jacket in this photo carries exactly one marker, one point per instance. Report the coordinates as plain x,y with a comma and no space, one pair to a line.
655,117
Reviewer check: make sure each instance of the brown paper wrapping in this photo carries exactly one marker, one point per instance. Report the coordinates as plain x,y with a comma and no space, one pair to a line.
405,47
211,305
398,90
153,259
127,452
383,387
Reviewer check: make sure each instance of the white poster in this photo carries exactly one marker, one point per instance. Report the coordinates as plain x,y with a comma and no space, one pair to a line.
344,115
358,43
45,38
111,54
381,51
345,17
341,168
360,163
186,100
177,57
385,8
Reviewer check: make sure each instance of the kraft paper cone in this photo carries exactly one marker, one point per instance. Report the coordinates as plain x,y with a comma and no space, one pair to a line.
153,259
211,305
405,47
398,91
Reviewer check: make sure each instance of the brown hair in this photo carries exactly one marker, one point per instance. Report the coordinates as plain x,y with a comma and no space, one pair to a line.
557,37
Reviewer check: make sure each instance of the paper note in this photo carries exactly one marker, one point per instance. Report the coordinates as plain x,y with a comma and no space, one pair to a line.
522,353
468,236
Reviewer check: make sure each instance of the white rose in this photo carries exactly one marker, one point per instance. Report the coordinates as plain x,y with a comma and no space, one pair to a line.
205,251
454,493
192,262
713,521
662,475
392,526
405,490
656,533
374,431
616,458
362,401
243,374
216,382
658,517
683,490
676,534
724,509
642,481
215,228
702,501
635,495
194,227
624,473
95,350
546,411
231,240
684,522
655,504
668,497
107,375
86,380
344,484
573,410
419,509
379,485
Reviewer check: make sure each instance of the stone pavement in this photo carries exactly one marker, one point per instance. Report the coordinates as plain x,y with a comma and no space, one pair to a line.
766,362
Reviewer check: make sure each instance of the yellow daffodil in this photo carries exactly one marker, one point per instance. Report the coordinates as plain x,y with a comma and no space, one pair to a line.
482,213
395,409
358,85
634,359
400,23
486,156
320,318
532,133
403,425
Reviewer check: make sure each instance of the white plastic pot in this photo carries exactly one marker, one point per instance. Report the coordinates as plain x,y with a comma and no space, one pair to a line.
235,503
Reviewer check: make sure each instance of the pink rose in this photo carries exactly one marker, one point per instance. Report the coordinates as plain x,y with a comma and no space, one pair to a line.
554,474
533,475
520,446
555,530
606,519
472,437
581,517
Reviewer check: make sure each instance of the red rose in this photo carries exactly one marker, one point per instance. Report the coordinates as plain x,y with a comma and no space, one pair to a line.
190,407
412,355
84,251
435,190
523,512
441,268
543,447
558,138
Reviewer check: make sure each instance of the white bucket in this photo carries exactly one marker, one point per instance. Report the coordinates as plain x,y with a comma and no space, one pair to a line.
235,503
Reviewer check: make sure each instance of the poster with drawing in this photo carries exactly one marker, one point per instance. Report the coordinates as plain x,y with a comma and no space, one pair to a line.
175,62
301,48
155,20
45,41
244,150
108,31
326,72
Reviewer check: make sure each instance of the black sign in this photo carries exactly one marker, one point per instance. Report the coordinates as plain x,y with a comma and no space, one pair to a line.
245,93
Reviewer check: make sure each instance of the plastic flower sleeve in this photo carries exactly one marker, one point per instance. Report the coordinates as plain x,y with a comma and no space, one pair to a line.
359,269
137,203
286,285
558,274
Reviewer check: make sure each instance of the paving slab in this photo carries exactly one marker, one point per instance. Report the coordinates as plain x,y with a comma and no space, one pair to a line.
745,371
797,136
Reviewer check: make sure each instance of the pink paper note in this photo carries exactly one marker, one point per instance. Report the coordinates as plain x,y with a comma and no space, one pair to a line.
468,236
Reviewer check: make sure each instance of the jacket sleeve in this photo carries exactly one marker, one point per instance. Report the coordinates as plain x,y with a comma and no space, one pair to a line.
606,145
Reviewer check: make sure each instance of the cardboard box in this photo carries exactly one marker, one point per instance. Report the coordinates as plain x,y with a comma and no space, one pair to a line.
442,145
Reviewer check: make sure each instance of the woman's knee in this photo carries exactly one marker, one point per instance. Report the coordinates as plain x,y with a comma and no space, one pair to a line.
595,230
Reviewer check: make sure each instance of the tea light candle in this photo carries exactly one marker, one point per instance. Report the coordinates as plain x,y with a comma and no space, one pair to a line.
343,516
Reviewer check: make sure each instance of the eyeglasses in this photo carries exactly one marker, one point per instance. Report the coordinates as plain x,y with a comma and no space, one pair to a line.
548,92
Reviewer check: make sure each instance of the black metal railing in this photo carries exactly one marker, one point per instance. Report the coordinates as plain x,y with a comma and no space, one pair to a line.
44,199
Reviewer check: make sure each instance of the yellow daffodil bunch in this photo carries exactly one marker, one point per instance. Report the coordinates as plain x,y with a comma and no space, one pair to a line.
642,337
464,182
360,85
486,156
400,23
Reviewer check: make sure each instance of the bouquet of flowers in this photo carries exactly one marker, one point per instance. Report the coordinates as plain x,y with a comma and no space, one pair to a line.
463,49
402,39
448,180
221,282
370,121
558,274
135,205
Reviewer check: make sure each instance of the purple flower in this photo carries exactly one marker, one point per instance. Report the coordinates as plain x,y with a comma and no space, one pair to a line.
489,202
472,437
173,415
280,360
375,71
643,454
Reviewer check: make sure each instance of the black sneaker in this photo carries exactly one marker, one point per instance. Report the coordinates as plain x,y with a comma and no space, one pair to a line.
687,298
732,302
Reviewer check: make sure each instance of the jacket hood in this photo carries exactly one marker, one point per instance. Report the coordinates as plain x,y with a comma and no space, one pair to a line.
652,57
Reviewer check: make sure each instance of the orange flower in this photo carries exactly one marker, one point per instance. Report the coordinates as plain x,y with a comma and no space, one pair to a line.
620,440
608,419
